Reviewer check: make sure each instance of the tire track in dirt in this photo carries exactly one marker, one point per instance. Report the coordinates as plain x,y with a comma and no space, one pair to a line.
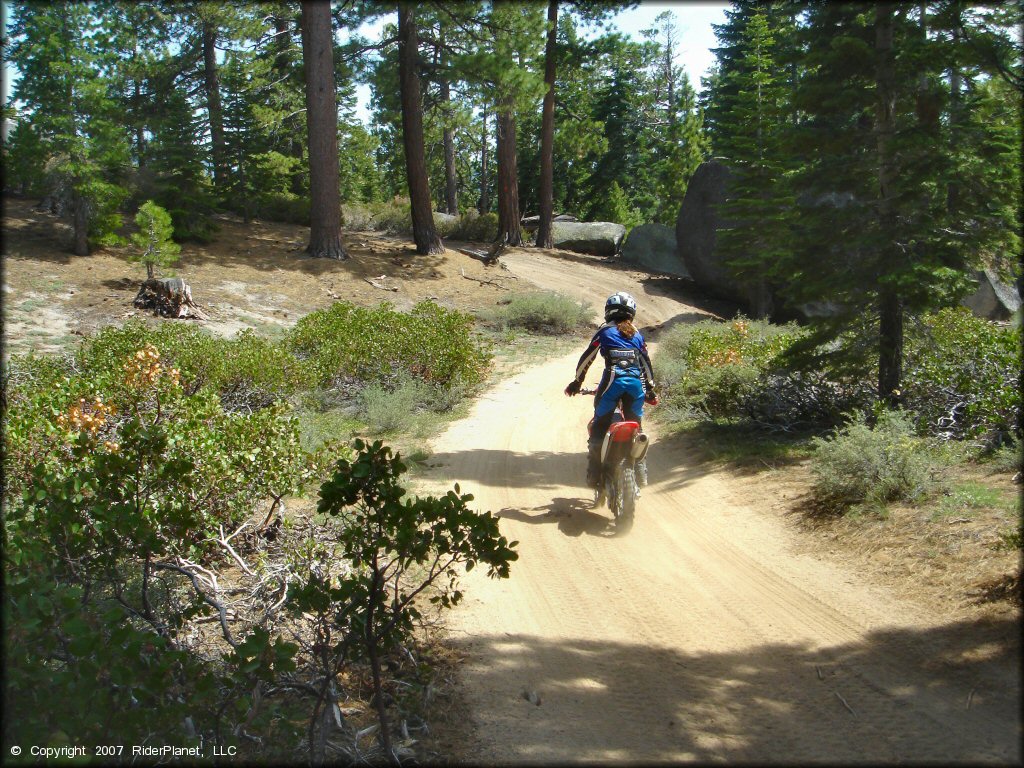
699,635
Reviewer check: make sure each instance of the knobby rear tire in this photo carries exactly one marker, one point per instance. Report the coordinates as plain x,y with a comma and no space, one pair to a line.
627,493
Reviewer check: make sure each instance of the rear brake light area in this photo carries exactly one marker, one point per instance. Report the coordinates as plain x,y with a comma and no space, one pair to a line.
623,431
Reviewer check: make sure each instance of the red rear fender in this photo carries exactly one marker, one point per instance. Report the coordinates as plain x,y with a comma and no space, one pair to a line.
623,431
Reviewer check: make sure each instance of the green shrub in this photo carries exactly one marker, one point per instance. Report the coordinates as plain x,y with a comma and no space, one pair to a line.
476,228
861,466
375,345
444,225
246,372
962,377
358,216
543,312
284,206
193,225
399,548
110,480
712,368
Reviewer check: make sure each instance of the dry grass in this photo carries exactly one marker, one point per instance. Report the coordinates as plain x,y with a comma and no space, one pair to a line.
943,556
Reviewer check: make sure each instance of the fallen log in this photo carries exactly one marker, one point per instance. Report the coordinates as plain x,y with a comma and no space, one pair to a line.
168,297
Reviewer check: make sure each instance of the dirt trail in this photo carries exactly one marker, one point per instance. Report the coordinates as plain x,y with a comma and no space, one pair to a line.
700,634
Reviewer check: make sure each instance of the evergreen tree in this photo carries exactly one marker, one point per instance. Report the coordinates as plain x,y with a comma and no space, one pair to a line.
156,248
678,138
423,229
322,132
759,208
64,86
24,159
877,235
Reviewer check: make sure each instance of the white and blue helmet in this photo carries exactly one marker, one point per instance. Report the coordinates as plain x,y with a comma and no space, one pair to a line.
620,306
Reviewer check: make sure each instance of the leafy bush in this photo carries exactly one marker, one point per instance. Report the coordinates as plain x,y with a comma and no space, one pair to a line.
246,372
712,368
105,201
476,228
111,479
544,312
392,216
284,206
397,548
962,377
400,406
861,466
374,345
444,224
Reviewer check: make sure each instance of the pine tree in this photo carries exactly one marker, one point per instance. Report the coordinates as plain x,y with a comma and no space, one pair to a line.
64,88
759,207
877,234
676,125
423,229
156,248
322,132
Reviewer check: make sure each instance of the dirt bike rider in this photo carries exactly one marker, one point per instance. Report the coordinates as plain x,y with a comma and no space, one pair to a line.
628,376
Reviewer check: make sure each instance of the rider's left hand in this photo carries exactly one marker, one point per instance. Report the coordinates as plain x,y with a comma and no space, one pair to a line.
573,388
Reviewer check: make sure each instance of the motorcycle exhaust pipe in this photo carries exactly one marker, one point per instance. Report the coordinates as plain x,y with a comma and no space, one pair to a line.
639,448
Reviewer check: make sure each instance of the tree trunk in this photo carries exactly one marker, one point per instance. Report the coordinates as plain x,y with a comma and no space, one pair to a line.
955,109
283,68
80,219
547,135
509,225
321,132
213,105
890,304
485,197
451,190
140,129
423,231
168,297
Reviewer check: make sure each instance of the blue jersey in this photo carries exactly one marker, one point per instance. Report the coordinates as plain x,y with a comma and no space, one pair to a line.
627,356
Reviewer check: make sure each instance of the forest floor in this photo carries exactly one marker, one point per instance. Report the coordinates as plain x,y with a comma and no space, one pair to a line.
729,623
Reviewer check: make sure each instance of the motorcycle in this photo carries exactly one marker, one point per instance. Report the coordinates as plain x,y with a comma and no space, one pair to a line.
623,448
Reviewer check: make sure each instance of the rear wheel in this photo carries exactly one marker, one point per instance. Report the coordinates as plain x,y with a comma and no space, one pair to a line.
627,495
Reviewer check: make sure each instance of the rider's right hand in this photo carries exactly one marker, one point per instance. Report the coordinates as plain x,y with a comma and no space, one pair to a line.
573,388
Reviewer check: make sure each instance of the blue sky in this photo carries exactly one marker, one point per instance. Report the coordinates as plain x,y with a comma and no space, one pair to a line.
694,20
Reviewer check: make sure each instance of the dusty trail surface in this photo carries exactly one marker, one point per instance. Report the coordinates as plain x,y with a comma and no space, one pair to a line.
700,634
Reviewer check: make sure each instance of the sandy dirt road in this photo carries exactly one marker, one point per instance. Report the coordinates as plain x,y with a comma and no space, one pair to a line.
699,635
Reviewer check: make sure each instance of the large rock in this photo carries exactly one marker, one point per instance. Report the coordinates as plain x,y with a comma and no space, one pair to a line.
994,299
696,232
653,247
600,238
531,223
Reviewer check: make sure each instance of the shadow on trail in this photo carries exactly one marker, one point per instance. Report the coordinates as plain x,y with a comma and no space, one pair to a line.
574,517
538,469
940,695
273,247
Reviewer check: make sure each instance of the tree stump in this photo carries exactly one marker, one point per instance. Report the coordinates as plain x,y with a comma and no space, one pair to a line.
168,297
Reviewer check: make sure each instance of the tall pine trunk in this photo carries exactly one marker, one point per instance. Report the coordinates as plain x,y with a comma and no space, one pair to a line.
547,134
213,105
485,197
451,190
509,223
423,231
282,67
890,304
80,219
322,132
